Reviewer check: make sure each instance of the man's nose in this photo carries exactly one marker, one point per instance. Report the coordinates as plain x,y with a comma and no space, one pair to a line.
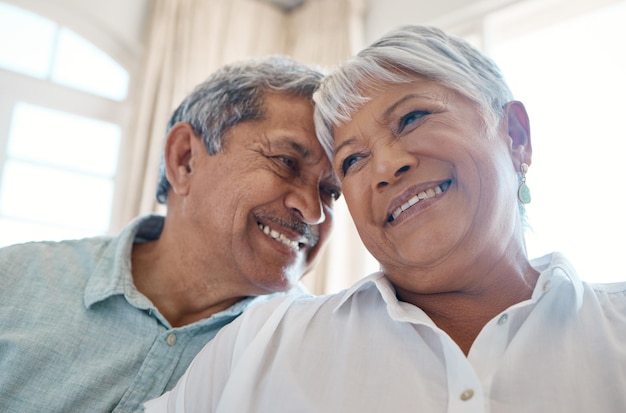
306,201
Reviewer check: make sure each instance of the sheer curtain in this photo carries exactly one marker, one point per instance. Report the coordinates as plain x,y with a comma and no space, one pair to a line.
189,39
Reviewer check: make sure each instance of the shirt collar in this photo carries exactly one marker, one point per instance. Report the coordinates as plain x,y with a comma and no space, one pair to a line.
112,274
372,278
397,310
555,271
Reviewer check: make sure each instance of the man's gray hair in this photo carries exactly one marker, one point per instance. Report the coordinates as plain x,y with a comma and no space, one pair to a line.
397,58
234,94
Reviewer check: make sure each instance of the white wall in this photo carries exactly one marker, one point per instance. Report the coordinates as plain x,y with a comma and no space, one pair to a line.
127,18
384,15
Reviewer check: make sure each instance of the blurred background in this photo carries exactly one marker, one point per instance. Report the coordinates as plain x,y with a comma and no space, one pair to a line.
86,88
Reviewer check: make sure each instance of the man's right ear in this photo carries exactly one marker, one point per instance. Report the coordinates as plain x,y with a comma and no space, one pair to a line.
177,156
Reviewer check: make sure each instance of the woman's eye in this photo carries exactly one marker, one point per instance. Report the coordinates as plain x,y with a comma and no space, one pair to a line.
347,163
410,118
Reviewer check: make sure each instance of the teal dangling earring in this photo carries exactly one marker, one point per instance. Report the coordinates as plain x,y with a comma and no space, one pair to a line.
523,193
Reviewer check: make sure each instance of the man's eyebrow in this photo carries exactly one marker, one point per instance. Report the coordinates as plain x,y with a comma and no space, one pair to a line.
289,144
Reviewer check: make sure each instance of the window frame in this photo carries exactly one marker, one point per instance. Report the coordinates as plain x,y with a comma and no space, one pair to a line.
18,87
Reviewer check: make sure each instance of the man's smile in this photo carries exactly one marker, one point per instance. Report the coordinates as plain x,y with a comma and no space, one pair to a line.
295,243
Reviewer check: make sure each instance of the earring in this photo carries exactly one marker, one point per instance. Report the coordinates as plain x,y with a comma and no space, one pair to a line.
523,193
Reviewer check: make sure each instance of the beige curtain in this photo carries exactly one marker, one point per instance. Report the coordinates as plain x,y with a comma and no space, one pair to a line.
189,39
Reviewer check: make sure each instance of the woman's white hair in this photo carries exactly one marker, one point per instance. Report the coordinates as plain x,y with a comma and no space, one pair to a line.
400,56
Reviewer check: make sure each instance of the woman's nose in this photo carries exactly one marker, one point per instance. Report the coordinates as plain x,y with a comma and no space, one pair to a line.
392,162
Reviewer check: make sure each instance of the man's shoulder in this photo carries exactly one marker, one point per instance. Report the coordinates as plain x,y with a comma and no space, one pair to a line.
51,249
50,256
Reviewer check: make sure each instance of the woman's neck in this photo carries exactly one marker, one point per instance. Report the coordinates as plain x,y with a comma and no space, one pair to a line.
463,312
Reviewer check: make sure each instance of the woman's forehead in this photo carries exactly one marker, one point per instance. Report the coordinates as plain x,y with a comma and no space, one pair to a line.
391,93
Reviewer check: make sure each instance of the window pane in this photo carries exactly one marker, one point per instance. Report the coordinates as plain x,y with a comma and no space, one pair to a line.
57,197
571,77
26,41
81,65
16,231
57,138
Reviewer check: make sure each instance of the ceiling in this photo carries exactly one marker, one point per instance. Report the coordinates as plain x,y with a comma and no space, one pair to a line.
286,4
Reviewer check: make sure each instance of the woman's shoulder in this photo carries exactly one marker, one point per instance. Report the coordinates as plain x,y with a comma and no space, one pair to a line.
611,294
281,305
607,301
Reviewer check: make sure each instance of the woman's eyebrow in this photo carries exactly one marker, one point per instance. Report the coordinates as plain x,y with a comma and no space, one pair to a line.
400,101
344,143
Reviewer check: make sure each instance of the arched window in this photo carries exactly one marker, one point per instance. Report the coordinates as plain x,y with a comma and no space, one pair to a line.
61,126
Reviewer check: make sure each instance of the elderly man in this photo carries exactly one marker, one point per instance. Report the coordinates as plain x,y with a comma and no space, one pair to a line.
104,324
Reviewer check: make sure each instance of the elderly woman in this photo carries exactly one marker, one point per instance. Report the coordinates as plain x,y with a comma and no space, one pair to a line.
432,152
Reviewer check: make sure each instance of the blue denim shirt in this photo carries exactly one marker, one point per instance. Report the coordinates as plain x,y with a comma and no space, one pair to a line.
77,336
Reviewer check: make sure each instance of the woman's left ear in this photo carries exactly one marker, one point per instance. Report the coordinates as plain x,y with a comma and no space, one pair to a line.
519,132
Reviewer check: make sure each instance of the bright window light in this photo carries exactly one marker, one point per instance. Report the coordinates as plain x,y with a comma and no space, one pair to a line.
49,195
57,169
65,140
35,46
26,41
81,65
58,177
14,231
571,78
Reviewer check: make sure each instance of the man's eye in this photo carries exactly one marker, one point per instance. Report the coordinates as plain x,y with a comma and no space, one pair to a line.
410,118
291,163
334,193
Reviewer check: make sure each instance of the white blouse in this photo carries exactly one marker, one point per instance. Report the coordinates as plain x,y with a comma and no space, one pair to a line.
362,350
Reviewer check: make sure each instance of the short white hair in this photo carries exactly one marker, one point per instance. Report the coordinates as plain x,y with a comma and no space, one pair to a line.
400,56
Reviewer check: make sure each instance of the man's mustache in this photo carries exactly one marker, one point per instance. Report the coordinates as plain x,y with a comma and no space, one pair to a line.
293,223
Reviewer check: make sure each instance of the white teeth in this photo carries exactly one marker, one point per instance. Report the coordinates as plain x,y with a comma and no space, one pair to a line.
429,193
279,237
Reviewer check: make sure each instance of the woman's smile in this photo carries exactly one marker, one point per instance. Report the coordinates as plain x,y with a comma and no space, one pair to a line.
415,196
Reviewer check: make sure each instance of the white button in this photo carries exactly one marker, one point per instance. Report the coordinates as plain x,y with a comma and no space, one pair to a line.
467,394
170,339
503,318
546,286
